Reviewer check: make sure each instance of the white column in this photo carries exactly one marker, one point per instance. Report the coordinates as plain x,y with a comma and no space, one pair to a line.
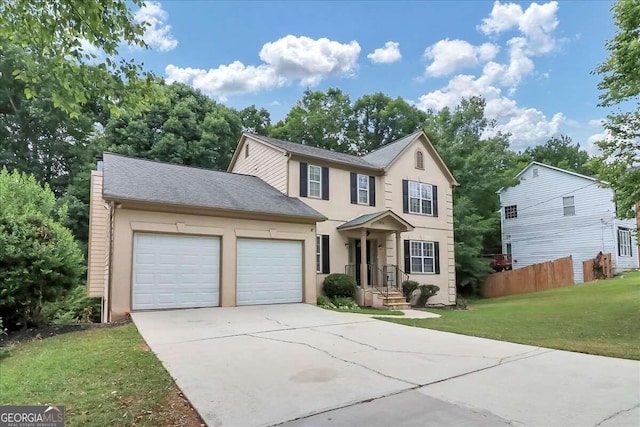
398,259
363,259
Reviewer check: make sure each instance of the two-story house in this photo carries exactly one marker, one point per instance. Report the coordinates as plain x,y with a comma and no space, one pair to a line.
554,213
270,229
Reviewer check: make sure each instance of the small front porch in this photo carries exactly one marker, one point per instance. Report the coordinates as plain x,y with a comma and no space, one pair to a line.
373,261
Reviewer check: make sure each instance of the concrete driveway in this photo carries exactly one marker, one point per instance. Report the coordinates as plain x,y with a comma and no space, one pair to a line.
301,365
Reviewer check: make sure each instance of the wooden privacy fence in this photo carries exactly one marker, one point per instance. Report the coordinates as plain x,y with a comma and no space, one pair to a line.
602,270
534,278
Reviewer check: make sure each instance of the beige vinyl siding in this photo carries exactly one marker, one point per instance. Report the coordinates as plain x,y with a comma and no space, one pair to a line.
98,239
268,164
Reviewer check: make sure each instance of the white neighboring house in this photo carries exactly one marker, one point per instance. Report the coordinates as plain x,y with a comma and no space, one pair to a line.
553,213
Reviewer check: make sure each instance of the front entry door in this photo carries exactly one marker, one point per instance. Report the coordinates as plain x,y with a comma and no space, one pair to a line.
359,261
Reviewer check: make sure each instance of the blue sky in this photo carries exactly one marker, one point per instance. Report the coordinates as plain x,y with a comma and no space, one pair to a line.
531,61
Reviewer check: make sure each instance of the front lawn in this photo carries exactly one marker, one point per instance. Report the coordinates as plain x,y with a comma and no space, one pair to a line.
103,377
597,318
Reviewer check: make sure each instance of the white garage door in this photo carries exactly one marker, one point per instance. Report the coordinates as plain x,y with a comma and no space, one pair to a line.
269,272
175,271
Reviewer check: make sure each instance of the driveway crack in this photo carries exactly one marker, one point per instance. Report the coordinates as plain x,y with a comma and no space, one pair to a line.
337,358
618,413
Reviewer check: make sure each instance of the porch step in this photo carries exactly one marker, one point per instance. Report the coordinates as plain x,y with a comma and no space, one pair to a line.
396,306
395,299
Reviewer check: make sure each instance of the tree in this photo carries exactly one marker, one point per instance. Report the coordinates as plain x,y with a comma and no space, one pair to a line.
620,163
39,259
37,137
560,151
481,165
60,37
255,121
183,126
380,120
319,119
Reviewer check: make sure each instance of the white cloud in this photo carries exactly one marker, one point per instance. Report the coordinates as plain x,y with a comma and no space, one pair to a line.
451,55
387,54
157,33
310,60
536,23
498,80
286,61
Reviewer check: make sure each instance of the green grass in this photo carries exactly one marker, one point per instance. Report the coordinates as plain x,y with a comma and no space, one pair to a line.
597,318
103,376
374,311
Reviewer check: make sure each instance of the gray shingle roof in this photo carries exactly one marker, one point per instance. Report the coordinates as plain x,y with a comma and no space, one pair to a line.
315,152
382,157
361,219
127,178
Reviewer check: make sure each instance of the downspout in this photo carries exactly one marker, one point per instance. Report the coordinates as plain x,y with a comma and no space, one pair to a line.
112,213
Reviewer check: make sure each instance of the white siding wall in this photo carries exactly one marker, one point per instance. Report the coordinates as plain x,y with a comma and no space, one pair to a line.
542,233
266,163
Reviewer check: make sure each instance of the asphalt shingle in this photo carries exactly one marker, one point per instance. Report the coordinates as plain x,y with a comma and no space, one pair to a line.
382,157
127,178
315,152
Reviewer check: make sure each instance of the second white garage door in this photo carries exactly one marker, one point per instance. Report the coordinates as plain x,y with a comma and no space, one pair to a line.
269,271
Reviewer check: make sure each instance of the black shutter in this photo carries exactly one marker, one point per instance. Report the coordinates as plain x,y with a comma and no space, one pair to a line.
372,191
434,195
325,254
405,196
325,183
354,188
619,243
303,179
436,256
407,256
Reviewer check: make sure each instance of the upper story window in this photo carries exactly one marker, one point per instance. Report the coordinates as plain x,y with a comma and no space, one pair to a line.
363,189
419,160
420,198
315,181
624,242
511,212
535,172
568,206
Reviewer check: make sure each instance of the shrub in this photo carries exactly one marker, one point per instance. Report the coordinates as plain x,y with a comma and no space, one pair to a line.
345,303
426,292
339,285
74,307
325,302
408,286
39,258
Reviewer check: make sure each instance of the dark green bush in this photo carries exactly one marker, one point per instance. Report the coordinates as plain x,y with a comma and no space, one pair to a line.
73,307
339,285
426,292
408,286
39,258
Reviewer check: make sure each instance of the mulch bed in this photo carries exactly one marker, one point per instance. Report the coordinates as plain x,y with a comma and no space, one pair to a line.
47,331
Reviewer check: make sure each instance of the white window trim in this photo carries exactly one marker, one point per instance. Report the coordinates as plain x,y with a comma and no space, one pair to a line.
624,241
423,243
565,206
318,253
420,198
309,181
363,188
510,217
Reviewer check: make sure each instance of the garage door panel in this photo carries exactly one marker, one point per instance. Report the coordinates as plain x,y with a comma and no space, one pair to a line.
175,271
269,271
